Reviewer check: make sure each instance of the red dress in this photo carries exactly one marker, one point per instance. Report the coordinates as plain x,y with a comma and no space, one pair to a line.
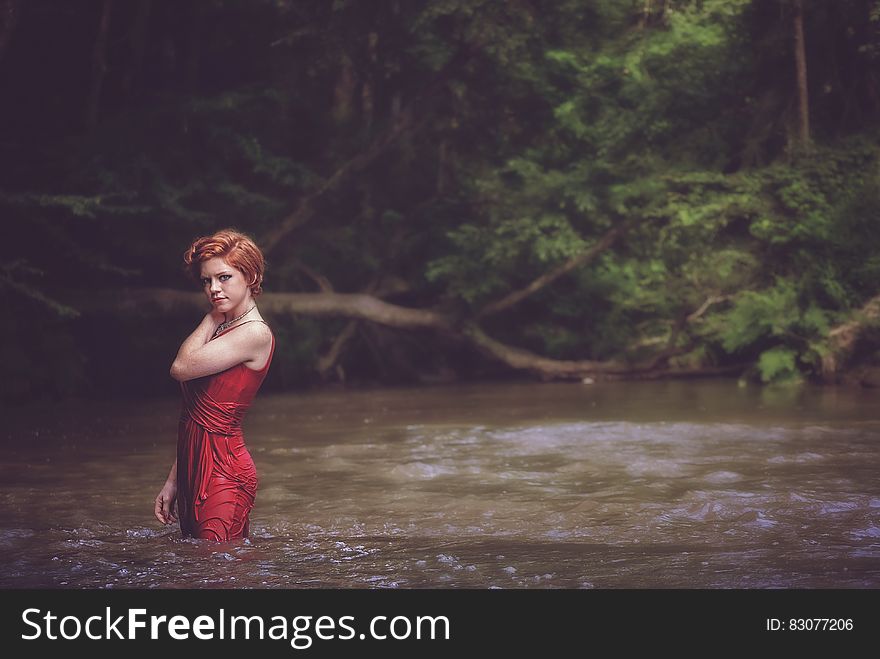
216,477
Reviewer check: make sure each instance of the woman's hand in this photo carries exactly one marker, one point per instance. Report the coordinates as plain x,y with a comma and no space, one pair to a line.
210,323
166,504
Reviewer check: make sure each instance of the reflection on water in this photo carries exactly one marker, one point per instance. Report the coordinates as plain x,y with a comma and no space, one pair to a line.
525,485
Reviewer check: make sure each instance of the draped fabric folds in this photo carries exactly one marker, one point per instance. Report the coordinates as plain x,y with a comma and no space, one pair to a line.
216,477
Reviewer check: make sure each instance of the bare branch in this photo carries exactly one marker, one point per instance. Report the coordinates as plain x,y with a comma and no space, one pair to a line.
306,208
404,123
712,299
322,281
327,361
99,66
546,279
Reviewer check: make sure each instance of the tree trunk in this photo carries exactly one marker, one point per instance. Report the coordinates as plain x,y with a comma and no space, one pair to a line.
442,159
344,305
138,46
800,57
9,12
366,307
194,52
586,370
373,84
99,67
645,15
343,92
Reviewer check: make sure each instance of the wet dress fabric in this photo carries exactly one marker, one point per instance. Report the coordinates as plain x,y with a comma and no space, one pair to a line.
216,477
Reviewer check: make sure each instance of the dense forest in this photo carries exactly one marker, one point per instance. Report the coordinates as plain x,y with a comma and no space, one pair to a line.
444,189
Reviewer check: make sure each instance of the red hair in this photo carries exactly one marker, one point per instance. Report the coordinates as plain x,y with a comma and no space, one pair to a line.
237,249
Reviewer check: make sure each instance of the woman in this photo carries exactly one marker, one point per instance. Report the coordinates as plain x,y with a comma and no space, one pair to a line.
220,366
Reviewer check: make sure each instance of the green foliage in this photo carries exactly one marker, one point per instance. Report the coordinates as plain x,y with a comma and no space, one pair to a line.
756,314
777,364
776,315
527,131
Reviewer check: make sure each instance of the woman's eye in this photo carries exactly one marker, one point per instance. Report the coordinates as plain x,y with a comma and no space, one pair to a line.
224,277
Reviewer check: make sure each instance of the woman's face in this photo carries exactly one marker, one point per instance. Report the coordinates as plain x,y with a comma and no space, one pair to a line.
224,285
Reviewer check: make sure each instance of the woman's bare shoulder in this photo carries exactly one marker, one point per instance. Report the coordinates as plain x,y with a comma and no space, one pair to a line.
260,338
259,330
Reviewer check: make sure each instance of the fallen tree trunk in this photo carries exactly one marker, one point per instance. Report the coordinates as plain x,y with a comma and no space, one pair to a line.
349,305
546,368
586,370
362,306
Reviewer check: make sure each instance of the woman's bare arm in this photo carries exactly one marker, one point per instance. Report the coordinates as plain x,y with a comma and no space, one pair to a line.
199,356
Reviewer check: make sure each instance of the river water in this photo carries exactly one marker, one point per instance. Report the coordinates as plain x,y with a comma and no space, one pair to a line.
698,484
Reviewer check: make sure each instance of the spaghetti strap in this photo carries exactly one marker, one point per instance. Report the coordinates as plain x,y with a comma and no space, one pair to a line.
250,321
244,323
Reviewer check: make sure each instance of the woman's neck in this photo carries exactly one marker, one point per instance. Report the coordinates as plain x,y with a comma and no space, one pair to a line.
240,311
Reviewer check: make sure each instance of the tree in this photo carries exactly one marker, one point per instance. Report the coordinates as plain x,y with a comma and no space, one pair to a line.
571,189
9,12
801,67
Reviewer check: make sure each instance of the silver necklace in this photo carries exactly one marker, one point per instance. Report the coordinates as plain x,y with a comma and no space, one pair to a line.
225,324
